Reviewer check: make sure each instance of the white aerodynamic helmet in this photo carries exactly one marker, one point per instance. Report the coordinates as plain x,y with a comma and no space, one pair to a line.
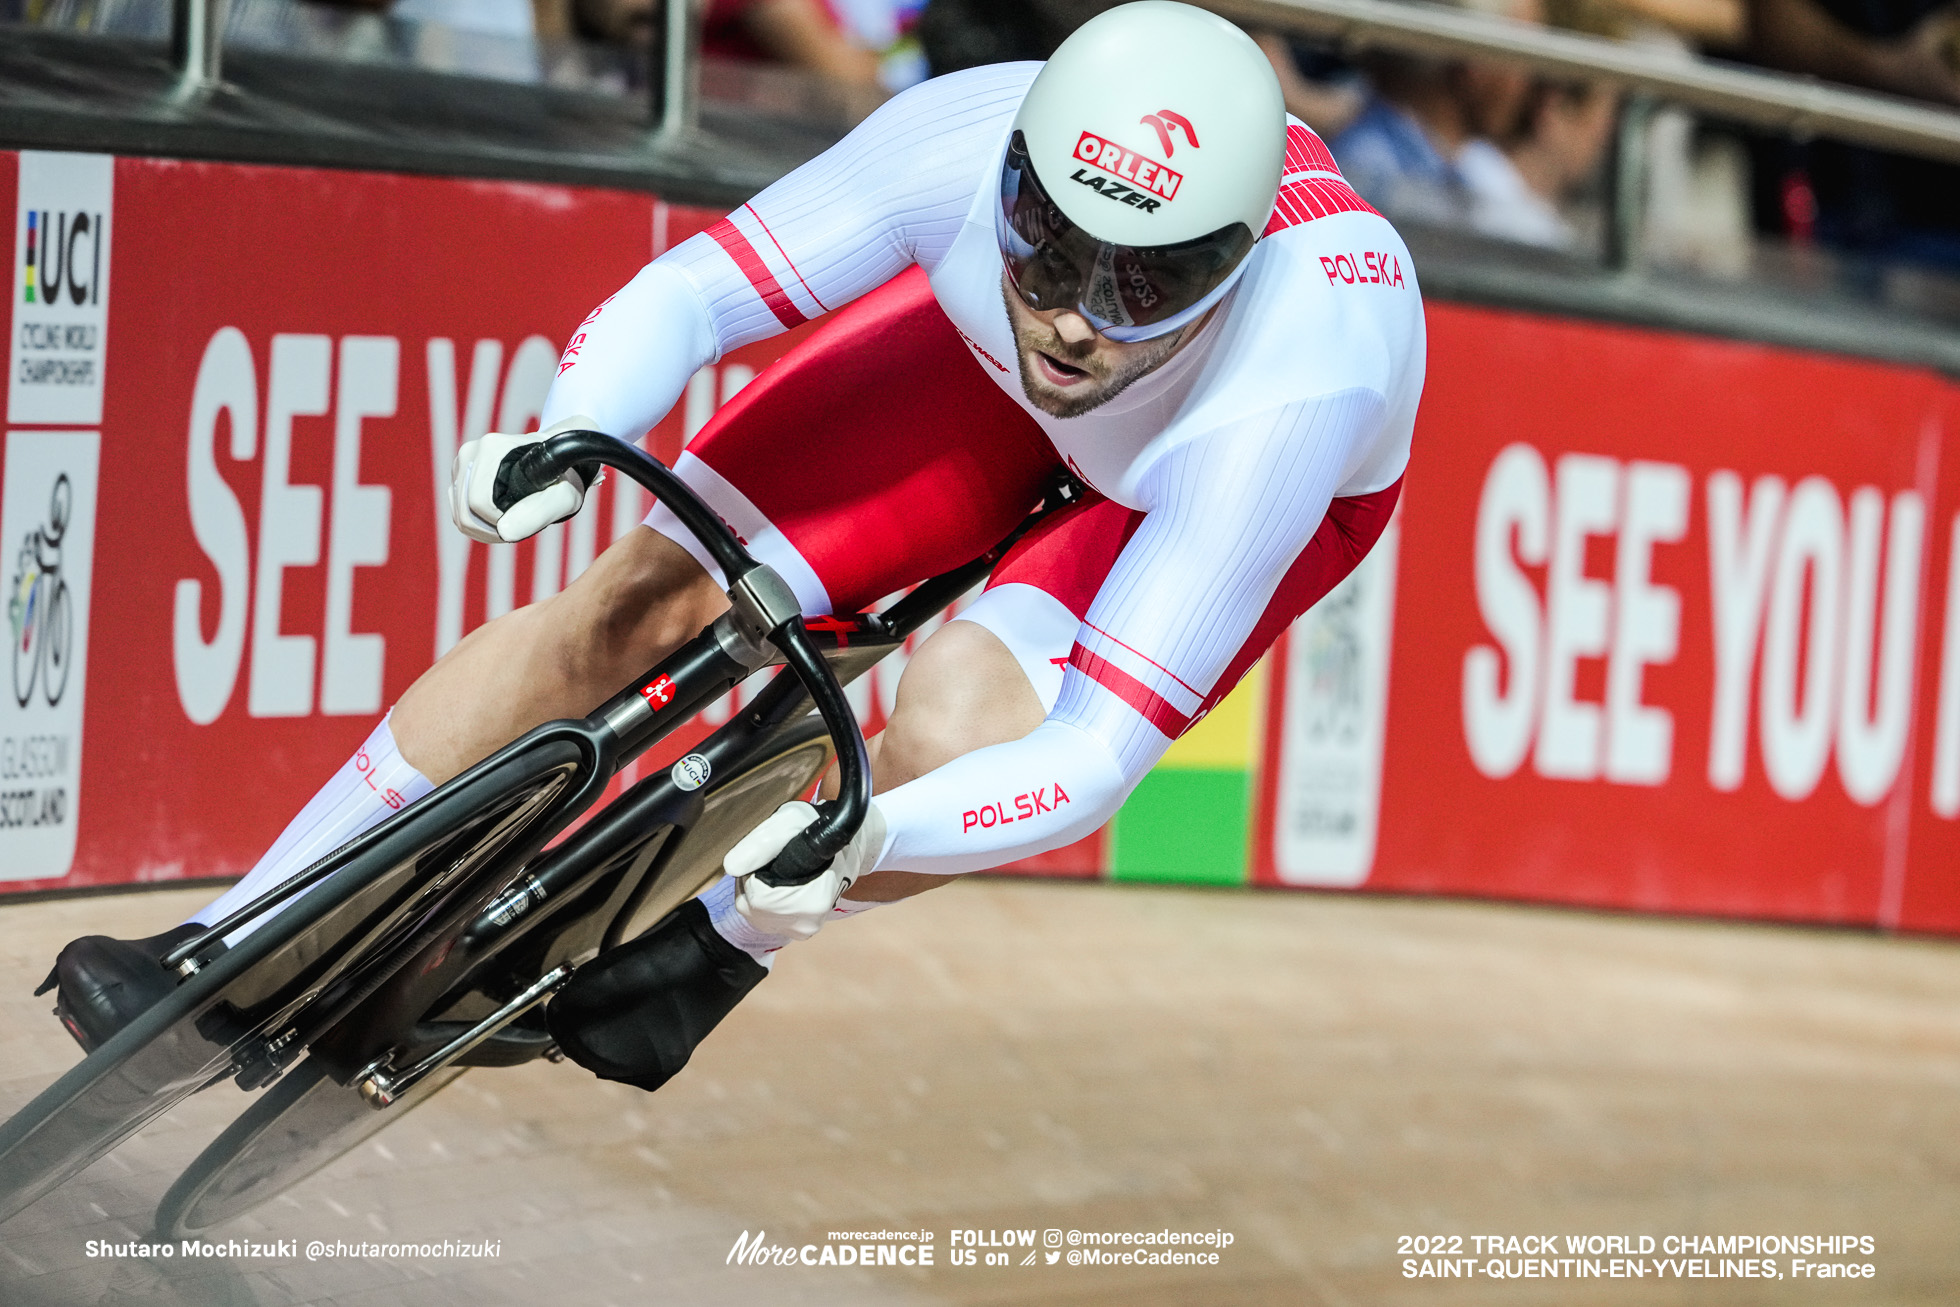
1142,168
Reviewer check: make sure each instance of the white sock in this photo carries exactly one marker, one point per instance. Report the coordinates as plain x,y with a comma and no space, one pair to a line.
371,785
731,925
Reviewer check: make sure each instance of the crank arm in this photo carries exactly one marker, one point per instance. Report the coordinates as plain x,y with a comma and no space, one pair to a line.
381,1086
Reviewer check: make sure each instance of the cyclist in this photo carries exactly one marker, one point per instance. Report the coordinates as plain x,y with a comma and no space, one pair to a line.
1127,262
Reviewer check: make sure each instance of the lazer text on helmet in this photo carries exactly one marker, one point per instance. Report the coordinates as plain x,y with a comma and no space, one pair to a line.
1128,165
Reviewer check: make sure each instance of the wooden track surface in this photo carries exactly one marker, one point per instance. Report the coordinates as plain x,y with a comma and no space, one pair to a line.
1317,1075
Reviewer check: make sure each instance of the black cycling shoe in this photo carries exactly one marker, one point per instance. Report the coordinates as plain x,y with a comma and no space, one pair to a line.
635,1014
103,984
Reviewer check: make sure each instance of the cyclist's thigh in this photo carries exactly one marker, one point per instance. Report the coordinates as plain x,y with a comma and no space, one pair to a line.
1041,591
873,455
642,593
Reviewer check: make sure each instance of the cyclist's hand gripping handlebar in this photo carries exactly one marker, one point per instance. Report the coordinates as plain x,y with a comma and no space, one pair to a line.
759,596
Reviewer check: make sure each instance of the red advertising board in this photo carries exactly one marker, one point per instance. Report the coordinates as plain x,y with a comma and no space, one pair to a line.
1669,627
291,356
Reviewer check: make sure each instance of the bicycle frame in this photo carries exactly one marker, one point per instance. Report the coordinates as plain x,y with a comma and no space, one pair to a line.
578,898
613,736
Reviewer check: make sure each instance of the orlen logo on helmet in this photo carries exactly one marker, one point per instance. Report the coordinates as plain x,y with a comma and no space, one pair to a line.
1163,122
1129,165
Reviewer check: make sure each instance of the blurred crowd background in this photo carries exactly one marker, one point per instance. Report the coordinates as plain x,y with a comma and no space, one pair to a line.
1464,145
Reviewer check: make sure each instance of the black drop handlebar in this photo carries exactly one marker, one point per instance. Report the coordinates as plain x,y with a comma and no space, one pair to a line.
811,850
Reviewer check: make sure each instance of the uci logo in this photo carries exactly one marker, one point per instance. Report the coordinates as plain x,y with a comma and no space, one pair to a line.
64,257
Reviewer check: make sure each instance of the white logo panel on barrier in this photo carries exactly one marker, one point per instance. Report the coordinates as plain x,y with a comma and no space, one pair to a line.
47,531
1335,722
60,289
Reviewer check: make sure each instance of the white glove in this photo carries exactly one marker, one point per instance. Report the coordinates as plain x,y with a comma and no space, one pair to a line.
473,486
797,910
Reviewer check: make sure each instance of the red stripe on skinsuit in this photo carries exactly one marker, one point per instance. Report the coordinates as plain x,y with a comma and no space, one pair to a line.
752,266
1150,705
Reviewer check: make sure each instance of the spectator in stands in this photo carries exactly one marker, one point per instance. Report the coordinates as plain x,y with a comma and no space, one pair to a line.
487,38
960,34
1880,208
800,33
888,28
1694,179
1401,150
1322,89
1696,24
512,18
1908,47
1519,189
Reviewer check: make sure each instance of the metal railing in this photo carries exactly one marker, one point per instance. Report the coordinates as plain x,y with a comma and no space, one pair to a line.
197,32
675,73
1799,106
197,39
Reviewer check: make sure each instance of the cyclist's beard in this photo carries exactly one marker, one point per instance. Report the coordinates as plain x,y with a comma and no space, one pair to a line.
1109,367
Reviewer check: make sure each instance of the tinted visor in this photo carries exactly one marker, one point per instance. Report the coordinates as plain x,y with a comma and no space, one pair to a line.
1127,292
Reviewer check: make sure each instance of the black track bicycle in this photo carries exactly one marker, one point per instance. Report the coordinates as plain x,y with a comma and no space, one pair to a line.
426,945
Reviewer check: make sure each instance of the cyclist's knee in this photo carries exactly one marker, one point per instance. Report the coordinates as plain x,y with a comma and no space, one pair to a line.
962,691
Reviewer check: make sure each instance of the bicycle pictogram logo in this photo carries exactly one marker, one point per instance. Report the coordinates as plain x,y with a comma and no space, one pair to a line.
38,607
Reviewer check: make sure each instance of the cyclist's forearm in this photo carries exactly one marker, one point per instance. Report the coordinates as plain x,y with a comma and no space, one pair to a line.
1007,801
631,358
